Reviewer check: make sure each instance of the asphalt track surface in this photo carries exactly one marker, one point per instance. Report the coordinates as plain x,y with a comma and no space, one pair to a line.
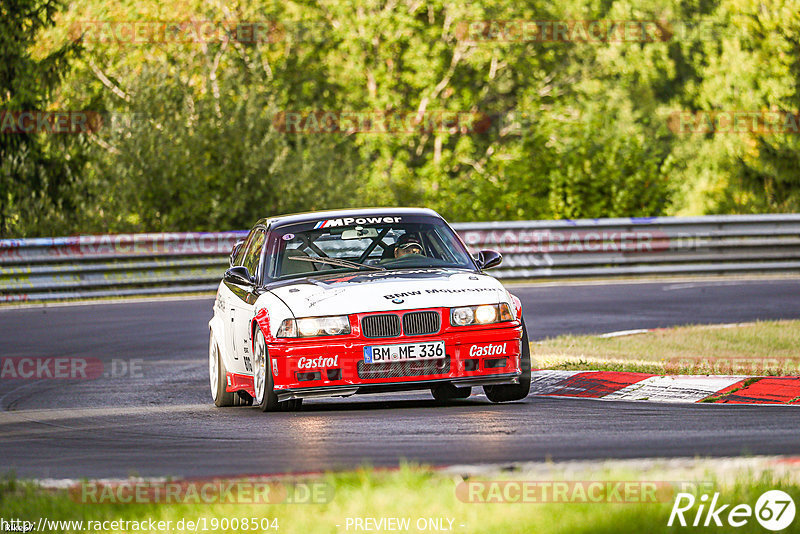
159,420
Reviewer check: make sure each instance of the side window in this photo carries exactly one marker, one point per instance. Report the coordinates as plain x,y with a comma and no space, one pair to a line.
237,260
253,253
240,254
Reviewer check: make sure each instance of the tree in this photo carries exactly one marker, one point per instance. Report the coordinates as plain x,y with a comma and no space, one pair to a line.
39,174
770,174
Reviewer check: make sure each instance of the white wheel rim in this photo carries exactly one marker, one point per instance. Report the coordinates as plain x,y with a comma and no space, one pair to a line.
260,371
213,372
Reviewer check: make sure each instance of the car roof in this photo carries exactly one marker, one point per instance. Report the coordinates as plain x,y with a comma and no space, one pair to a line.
309,216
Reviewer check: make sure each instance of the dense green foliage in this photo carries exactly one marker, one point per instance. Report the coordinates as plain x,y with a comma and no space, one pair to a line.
40,176
192,138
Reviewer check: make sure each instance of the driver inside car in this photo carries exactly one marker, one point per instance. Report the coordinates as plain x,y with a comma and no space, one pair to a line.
408,244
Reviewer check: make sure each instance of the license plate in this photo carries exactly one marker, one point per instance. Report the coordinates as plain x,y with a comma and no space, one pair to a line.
430,350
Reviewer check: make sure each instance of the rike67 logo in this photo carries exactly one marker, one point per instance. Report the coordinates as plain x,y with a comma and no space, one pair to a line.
774,510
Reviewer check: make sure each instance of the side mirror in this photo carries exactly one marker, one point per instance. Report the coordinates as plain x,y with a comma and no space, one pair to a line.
235,251
239,275
488,258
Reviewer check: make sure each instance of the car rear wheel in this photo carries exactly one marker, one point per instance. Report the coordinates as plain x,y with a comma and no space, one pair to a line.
448,392
514,392
217,375
266,398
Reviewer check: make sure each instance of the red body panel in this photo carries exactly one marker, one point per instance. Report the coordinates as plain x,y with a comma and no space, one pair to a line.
237,382
468,348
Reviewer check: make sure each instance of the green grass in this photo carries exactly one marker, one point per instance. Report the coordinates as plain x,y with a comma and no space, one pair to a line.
412,492
762,348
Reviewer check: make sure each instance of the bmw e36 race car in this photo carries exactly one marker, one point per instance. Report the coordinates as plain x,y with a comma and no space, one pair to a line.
335,303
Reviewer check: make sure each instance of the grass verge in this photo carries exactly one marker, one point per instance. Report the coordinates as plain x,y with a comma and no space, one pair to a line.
764,348
417,493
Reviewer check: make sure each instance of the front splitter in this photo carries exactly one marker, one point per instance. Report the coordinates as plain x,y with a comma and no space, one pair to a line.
346,391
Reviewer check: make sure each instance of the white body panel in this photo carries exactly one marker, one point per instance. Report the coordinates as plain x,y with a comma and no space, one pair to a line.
374,292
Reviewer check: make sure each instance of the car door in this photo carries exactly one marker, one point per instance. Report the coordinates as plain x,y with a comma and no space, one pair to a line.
243,301
229,296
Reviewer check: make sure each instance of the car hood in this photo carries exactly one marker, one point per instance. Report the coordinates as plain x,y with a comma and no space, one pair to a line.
389,291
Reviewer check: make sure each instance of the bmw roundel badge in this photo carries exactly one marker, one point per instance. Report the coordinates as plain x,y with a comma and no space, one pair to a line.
398,300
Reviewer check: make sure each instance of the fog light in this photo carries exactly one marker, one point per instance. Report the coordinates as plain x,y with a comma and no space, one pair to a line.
307,377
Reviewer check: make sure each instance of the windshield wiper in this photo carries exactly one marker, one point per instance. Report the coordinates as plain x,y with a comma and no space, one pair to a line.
338,263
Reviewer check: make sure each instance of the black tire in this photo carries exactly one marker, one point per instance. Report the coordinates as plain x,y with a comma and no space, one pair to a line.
217,376
266,399
243,398
448,392
515,392
290,405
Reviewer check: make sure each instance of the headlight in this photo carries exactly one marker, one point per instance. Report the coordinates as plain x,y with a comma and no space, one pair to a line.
485,314
315,326
462,316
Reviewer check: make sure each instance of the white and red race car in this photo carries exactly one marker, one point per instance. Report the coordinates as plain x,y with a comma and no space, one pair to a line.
335,303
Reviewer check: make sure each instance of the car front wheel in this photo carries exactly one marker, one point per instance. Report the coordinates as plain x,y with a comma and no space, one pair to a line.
515,392
266,398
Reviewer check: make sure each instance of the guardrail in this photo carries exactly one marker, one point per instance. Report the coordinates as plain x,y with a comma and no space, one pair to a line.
43,269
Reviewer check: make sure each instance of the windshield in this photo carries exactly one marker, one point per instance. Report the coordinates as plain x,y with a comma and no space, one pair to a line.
370,243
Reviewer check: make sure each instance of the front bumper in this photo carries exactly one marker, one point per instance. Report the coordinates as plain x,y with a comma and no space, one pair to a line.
346,391
332,366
